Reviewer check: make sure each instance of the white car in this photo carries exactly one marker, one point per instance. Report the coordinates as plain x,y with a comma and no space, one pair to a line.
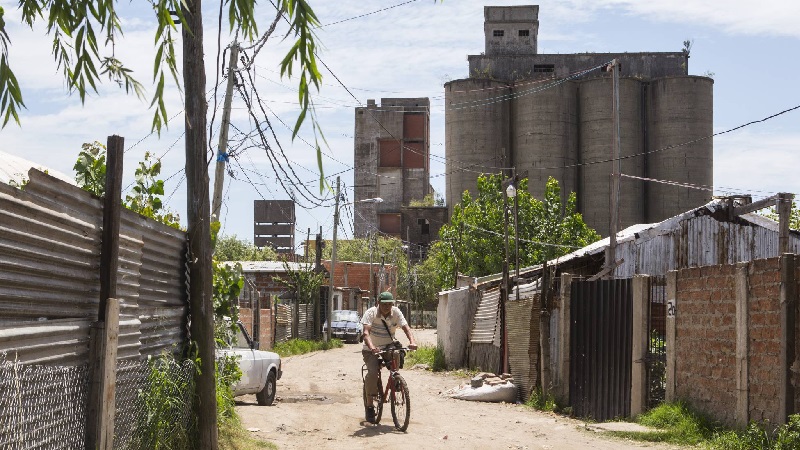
260,369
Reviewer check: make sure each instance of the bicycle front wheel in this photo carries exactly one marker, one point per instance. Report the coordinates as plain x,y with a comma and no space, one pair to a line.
401,403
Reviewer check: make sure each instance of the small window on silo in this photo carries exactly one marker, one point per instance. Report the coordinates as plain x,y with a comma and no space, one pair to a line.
498,33
524,33
544,68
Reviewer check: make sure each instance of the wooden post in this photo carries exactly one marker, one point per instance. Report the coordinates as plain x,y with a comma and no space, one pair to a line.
104,332
787,352
544,330
198,212
784,208
641,303
672,313
742,413
565,328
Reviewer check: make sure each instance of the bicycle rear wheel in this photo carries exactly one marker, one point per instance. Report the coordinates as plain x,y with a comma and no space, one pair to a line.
401,403
375,402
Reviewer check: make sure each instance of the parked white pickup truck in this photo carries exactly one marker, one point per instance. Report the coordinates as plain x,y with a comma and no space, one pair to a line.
260,369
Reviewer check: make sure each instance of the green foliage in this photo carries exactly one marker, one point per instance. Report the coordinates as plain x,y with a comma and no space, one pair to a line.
473,240
90,168
227,283
794,216
541,402
231,248
426,201
303,346
431,355
675,423
756,436
228,374
166,398
304,282
148,190
232,436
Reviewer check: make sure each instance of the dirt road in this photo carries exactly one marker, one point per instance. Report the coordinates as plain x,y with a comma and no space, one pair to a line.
319,406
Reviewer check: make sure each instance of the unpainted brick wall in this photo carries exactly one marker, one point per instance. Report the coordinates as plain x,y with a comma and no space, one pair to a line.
267,335
706,340
764,338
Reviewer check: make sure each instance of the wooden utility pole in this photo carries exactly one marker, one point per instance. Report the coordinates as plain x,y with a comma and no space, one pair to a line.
333,261
784,209
104,334
198,213
611,257
222,152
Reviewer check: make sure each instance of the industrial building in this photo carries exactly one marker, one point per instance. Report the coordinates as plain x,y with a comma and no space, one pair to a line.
551,115
392,162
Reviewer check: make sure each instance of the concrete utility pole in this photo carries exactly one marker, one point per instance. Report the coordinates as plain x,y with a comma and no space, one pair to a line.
329,335
222,155
198,212
616,163
504,292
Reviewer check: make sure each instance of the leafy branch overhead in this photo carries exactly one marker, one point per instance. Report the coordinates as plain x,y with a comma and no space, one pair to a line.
83,59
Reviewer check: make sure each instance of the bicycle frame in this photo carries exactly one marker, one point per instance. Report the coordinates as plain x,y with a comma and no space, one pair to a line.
390,362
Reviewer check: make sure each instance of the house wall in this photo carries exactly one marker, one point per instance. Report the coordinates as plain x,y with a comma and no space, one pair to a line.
728,327
454,317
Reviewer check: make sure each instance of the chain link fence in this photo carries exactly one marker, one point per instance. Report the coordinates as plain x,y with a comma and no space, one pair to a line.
44,407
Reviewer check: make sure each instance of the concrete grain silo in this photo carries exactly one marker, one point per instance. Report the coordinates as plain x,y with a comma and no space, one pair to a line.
476,133
544,141
680,111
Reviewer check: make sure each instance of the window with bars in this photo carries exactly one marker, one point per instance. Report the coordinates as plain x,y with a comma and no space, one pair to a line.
544,68
524,33
498,33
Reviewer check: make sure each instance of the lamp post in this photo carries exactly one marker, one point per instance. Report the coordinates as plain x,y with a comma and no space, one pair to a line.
329,334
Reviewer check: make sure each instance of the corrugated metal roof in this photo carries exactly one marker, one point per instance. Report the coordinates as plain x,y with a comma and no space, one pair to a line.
14,168
267,266
692,239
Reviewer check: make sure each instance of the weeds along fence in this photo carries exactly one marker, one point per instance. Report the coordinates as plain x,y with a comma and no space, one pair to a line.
50,240
44,407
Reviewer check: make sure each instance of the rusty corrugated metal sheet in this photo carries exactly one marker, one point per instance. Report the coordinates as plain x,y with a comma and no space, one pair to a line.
485,328
523,341
49,275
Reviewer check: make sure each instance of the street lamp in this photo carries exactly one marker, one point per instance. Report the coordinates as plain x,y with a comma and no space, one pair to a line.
333,251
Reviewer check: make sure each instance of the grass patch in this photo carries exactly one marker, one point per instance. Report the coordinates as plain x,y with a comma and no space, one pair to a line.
302,346
756,436
542,402
233,437
676,424
431,355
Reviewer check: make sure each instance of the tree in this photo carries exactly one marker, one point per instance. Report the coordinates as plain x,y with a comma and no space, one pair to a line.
473,241
90,175
231,248
794,216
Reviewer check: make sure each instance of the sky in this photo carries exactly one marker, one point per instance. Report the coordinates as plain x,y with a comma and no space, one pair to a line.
400,48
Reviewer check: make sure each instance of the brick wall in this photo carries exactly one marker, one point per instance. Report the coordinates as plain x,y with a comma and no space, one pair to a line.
764,338
706,340
267,335
356,275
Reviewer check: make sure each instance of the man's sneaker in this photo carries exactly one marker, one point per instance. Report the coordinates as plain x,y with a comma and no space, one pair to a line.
371,414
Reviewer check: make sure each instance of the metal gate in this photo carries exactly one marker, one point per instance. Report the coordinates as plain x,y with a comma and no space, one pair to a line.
656,359
600,348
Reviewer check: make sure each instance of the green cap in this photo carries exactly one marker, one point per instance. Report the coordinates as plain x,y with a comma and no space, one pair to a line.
386,297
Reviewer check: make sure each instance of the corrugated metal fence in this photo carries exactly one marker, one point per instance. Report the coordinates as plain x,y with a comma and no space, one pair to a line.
50,271
600,348
483,351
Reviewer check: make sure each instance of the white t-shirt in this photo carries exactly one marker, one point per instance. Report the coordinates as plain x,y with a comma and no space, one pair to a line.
378,333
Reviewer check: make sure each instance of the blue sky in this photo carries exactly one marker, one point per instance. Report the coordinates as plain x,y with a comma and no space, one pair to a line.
752,50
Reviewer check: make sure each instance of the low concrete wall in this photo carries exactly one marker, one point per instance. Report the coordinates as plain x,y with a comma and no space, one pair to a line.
454,317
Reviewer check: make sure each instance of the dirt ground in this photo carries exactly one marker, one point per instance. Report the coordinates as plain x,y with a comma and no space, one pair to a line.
319,405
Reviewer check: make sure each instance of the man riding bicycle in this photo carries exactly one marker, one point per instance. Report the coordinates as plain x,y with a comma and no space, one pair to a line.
380,323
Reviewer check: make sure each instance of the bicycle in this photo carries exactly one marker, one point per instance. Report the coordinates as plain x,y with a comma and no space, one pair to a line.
396,392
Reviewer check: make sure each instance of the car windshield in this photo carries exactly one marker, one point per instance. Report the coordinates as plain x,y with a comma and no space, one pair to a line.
345,316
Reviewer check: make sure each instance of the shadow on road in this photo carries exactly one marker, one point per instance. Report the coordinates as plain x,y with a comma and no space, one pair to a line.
371,430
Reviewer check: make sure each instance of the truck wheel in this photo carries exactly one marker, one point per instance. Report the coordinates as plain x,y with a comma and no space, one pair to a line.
267,395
